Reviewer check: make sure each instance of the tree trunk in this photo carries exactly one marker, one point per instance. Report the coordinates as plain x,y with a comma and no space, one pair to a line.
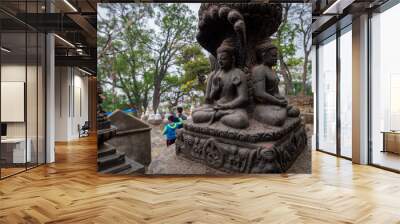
145,102
304,77
114,97
156,97
286,76
138,111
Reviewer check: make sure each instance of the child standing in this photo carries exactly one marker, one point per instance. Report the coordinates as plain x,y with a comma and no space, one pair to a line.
170,129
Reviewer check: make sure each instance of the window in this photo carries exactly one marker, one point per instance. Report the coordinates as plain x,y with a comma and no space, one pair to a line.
335,74
346,75
327,96
22,77
385,89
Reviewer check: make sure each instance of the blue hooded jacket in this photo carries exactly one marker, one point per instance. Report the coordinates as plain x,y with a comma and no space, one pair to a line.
170,129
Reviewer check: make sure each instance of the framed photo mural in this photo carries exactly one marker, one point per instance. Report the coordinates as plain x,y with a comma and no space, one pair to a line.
204,88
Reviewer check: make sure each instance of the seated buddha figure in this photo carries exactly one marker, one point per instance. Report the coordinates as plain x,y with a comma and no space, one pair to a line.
208,93
271,107
228,92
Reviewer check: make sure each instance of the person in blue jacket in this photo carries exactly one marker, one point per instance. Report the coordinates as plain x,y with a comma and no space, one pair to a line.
170,129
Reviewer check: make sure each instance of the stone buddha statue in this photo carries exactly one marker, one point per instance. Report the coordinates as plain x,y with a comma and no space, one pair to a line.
271,107
245,125
214,69
227,92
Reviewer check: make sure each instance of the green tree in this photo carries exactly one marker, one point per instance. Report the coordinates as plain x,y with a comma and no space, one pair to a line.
176,24
303,26
123,57
293,39
114,101
171,91
148,52
194,68
285,41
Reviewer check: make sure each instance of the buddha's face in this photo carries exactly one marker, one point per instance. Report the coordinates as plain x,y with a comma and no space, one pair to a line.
225,60
270,56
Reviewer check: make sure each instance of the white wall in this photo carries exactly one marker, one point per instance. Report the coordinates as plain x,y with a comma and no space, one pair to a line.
33,126
71,102
61,103
17,73
80,109
11,73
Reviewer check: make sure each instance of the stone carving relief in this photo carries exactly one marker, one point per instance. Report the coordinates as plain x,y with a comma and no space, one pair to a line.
245,124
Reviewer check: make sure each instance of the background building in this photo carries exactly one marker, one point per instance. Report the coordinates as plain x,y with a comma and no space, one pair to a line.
356,80
48,78
338,190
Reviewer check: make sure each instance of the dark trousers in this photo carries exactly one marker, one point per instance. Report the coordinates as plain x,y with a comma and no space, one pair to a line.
170,142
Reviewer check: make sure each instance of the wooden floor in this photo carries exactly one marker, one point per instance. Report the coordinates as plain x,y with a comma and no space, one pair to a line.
387,159
5,172
70,191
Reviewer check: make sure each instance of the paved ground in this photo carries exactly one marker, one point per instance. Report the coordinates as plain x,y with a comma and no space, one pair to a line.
303,162
165,161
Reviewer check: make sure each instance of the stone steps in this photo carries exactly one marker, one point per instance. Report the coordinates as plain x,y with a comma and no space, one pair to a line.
110,161
117,169
125,168
106,152
106,134
106,162
136,167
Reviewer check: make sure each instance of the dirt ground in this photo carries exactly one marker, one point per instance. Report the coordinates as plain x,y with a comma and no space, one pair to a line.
165,161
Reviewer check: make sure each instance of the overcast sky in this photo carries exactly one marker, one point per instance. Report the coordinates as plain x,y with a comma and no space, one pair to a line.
194,7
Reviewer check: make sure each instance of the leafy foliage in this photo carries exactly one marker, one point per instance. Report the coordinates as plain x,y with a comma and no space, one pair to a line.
138,60
147,54
293,42
195,66
176,23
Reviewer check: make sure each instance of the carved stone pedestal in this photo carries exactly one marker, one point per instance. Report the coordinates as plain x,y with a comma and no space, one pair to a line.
245,125
252,150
